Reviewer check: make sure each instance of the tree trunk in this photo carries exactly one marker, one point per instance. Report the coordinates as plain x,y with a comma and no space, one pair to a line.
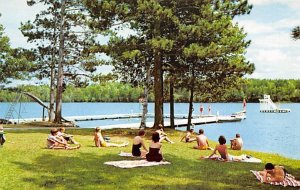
52,96
172,103
145,102
158,83
191,109
60,75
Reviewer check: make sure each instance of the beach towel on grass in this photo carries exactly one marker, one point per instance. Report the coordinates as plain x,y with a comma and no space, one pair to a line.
126,154
289,180
134,163
245,158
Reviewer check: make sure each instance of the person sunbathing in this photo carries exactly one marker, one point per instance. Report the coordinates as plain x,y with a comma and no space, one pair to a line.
56,142
154,154
2,136
222,150
272,173
162,134
67,137
236,143
188,137
100,142
202,141
138,142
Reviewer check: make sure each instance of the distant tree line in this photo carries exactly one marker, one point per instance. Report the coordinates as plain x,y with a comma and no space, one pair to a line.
252,91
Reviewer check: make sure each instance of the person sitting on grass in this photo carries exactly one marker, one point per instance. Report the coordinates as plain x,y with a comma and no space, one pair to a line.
100,142
162,134
154,154
202,141
56,142
67,137
236,143
188,135
138,142
2,136
222,149
272,173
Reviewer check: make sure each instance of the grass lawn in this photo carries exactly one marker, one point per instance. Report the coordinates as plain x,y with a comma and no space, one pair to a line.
27,164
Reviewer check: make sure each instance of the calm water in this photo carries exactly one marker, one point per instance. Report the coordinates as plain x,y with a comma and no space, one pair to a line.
266,132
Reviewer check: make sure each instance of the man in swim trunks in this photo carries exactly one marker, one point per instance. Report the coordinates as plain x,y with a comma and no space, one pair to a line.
202,141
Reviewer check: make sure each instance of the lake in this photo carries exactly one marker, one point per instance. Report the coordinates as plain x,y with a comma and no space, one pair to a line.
265,132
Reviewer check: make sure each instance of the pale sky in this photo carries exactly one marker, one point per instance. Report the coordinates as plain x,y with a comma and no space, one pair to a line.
269,25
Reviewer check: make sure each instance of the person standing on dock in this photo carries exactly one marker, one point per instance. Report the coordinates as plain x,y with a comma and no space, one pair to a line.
201,110
202,141
162,134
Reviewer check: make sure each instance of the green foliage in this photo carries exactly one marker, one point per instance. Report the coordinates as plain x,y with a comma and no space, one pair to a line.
27,164
13,62
251,90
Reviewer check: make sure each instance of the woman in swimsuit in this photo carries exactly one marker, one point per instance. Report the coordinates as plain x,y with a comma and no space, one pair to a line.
138,142
154,154
100,142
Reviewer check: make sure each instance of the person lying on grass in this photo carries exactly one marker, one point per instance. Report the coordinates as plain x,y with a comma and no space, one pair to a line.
138,142
188,135
222,150
272,173
56,142
202,141
67,137
154,154
100,142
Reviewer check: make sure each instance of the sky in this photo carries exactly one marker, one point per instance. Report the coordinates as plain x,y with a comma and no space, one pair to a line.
275,54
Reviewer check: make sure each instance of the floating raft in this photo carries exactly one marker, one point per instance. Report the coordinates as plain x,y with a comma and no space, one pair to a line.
267,106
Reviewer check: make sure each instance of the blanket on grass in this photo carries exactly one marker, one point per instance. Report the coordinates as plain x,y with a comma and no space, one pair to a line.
289,180
126,154
134,163
244,157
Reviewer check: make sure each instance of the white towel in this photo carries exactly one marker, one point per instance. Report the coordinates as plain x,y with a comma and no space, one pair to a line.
134,163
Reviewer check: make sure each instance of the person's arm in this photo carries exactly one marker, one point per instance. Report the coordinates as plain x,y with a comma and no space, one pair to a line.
207,142
214,152
182,138
144,146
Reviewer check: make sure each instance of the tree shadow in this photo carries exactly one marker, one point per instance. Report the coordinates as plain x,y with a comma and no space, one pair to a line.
88,171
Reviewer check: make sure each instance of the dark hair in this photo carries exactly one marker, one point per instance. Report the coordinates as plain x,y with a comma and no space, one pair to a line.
237,135
191,130
155,137
97,129
201,131
269,166
53,131
141,132
222,140
61,129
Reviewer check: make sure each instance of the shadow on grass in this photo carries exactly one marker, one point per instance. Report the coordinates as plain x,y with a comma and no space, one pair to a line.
87,171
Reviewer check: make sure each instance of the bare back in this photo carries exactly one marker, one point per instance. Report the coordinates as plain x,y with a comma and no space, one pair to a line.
202,141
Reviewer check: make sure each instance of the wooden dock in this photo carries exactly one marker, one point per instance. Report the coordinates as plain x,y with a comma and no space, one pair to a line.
179,121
